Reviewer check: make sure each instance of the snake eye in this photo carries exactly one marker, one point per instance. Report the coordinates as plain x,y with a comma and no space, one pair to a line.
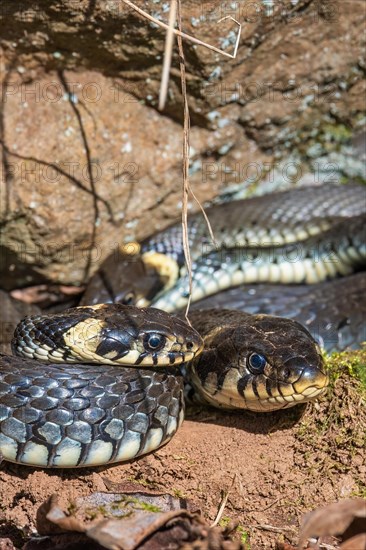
256,363
129,298
154,342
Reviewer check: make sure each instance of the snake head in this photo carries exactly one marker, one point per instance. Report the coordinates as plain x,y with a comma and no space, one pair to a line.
113,334
264,364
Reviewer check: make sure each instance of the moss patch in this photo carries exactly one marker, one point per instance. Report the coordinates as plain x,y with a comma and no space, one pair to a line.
332,434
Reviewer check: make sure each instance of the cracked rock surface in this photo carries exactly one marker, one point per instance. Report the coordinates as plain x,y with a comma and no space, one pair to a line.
87,160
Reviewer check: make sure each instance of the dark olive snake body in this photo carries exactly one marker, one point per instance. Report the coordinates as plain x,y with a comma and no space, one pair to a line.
59,415
334,312
81,413
306,238
271,220
279,225
338,251
66,415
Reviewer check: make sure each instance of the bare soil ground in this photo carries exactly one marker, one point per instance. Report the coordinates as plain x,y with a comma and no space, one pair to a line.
276,466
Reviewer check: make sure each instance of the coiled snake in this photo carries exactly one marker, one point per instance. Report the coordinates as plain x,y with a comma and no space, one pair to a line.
308,236
67,415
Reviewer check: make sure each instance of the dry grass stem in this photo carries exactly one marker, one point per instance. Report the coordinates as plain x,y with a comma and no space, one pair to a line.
186,128
212,236
223,503
186,123
188,37
167,55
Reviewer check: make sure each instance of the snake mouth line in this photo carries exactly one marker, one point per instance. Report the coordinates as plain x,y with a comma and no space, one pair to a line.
303,390
308,395
310,384
267,404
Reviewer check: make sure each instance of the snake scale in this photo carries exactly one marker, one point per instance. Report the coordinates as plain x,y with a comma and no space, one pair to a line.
81,413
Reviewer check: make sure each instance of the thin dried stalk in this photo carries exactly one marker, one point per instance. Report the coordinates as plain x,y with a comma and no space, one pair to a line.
163,93
209,227
225,497
167,55
186,128
188,37
186,124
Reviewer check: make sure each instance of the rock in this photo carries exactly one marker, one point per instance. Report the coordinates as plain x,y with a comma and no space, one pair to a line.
82,178
88,162
12,311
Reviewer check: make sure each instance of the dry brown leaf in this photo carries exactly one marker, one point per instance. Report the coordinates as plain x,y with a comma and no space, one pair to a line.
127,521
114,520
129,533
52,519
355,543
332,520
167,502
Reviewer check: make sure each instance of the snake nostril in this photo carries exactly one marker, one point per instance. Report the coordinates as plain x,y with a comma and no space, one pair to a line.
190,345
